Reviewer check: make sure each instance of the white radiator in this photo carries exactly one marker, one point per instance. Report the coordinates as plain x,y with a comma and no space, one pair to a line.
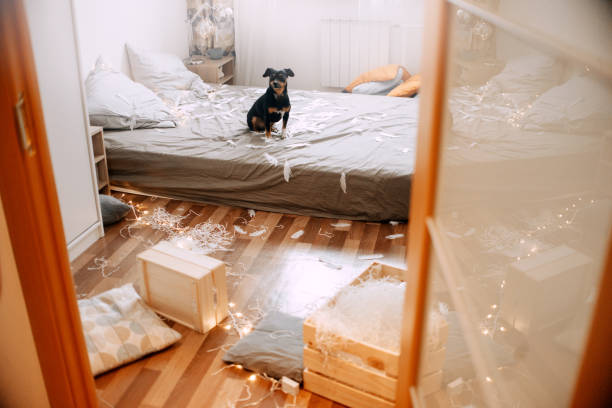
350,47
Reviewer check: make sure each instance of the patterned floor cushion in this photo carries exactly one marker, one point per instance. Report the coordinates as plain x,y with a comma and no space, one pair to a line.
119,328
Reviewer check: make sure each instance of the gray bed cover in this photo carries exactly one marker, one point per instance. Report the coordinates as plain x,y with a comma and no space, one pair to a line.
213,157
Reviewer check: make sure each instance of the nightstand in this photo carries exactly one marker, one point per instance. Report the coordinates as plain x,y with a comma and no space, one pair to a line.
209,70
99,153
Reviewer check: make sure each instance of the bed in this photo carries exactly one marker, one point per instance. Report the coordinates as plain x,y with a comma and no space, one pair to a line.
346,156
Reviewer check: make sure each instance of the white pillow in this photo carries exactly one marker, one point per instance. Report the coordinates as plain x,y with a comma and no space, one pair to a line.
379,87
581,104
162,72
531,74
114,101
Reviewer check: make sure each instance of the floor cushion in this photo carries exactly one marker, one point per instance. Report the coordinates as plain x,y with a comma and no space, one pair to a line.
112,209
119,328
275,347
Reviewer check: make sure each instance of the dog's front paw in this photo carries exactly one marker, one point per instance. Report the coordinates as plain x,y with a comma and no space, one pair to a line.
284,134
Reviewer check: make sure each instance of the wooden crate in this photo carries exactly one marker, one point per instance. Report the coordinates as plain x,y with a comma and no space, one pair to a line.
358,374
184,286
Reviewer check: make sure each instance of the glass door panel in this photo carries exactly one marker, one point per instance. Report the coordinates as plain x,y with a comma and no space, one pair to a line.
451,343
523,208
583,25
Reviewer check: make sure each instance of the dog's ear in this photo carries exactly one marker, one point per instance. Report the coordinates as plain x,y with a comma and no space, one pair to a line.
289,72
268,72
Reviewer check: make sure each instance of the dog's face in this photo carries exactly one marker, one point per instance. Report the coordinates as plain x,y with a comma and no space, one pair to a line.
278,79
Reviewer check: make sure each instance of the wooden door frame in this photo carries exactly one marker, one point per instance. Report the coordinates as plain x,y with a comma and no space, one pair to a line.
422,197
593,387
34,223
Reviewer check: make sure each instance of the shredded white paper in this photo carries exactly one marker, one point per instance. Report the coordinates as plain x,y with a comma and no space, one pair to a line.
343,182
258,232
297,234
369,312
373,256
103,265
287,171
326,234
469,232
271,159
394,236
239,230
205,237
330,264
340,225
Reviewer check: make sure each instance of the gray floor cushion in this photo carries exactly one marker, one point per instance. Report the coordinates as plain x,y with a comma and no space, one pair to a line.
274,347
112,209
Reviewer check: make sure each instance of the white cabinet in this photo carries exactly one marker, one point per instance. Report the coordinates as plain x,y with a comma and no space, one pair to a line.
57,68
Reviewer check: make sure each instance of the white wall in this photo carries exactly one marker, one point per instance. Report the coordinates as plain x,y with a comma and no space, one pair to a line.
104,26
286,34
57,69
276,33
21,380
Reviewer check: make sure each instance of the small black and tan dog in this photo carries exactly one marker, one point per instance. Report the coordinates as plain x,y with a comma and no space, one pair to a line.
272,105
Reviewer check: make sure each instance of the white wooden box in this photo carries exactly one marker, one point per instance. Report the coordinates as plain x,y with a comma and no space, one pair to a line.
184,286
560,272
363,375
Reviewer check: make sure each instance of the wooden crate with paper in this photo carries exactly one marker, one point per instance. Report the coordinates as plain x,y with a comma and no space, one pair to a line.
351,352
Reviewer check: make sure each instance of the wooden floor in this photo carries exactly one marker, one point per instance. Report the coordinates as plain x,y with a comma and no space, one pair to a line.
274,272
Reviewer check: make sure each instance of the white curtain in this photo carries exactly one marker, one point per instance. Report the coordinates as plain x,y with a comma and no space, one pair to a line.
396,11
255,37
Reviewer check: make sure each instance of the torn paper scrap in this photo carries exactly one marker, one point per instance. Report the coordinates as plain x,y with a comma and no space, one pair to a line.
340,225
271,159
330,264
343,182
372,256
297,234
257,233
287,171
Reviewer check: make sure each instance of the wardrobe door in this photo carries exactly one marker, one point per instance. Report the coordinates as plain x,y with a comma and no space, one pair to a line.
58,73
522,218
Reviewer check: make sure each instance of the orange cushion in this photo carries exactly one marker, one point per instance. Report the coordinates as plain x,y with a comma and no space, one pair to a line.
384,73
407,88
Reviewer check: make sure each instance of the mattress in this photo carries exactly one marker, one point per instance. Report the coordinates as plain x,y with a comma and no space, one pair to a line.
345,156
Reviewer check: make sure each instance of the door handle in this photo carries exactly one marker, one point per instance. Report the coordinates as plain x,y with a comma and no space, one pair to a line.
22,129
